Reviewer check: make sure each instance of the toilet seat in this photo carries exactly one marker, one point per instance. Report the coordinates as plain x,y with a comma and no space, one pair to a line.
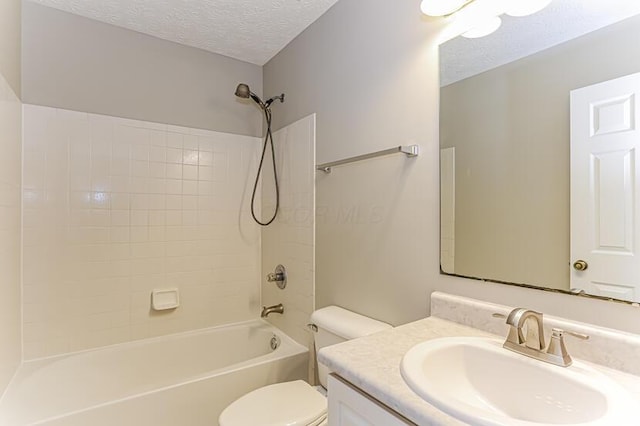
282,404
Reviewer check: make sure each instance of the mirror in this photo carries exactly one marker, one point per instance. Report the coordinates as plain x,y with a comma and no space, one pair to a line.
518,109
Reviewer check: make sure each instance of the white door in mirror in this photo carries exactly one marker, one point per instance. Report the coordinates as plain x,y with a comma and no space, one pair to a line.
605,185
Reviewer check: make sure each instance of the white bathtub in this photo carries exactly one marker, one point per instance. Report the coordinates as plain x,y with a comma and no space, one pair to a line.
184,379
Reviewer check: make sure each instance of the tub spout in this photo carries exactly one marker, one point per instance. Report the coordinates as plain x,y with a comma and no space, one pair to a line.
266,310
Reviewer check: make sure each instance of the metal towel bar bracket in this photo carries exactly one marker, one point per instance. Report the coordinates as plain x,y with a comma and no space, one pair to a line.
409,150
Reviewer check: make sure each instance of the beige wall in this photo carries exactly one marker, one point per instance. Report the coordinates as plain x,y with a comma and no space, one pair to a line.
367,94
116,208
510,127
10,171
369,70
10,43
83,65
289,240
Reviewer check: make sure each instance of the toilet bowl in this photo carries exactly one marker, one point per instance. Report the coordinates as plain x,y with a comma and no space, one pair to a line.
297,403
291,403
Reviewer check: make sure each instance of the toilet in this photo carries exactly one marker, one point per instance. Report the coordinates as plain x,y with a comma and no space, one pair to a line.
297,403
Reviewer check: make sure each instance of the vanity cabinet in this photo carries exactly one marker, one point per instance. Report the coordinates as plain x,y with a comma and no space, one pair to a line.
350,406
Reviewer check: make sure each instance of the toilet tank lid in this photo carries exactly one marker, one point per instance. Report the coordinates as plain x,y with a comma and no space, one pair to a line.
346,324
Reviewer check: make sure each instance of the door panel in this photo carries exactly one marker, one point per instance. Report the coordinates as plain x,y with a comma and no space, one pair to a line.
604,188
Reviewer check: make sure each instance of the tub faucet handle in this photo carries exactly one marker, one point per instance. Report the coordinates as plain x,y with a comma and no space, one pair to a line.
279,276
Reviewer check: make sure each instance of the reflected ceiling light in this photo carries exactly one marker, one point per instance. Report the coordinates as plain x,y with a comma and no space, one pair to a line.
525,7
477,18
484,28
441,7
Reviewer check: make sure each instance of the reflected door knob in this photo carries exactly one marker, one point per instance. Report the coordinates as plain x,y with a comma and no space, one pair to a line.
580,265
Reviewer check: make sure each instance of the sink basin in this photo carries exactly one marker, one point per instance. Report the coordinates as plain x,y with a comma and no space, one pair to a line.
481,383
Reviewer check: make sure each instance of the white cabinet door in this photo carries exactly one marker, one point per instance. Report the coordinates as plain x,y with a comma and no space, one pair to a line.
605,202
349,406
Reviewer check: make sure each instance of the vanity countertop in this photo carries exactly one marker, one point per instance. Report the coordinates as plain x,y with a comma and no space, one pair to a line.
372,363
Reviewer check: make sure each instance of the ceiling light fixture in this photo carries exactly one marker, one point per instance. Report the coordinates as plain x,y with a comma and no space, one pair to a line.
479,18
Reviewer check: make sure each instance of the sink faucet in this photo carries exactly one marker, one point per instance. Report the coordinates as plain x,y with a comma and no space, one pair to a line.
533,343
517,319
266,310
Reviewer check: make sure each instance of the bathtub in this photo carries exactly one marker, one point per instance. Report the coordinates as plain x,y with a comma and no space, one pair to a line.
183,379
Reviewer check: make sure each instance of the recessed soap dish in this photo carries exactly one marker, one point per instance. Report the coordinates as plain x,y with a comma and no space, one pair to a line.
162,300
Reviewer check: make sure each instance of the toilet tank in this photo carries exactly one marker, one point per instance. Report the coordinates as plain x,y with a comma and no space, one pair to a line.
337,325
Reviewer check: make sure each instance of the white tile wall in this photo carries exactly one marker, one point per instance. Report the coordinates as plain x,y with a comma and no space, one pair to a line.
448,209
290,239
10,166
114,208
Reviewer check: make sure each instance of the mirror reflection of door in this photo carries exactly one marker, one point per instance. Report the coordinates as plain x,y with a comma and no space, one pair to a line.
605,198
506,195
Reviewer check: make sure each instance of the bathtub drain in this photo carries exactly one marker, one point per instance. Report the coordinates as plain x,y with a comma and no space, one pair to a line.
275,342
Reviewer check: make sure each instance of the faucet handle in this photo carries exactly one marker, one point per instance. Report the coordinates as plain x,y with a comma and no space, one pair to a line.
278,276
558,332
558,350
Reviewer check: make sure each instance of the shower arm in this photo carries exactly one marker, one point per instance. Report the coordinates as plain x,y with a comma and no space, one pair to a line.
269,101
243,91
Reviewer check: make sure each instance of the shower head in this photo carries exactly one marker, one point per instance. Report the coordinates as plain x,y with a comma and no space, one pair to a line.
243,92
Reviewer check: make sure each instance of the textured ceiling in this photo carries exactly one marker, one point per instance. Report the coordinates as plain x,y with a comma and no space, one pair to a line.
561,21
250,30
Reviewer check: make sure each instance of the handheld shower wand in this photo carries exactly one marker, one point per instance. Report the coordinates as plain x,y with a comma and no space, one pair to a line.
243,92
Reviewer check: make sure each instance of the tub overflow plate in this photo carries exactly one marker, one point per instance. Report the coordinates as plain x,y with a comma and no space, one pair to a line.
275,342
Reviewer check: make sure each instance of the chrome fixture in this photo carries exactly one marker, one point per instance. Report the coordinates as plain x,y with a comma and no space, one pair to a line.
277,309
533,344
279,276
243,92
410,151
